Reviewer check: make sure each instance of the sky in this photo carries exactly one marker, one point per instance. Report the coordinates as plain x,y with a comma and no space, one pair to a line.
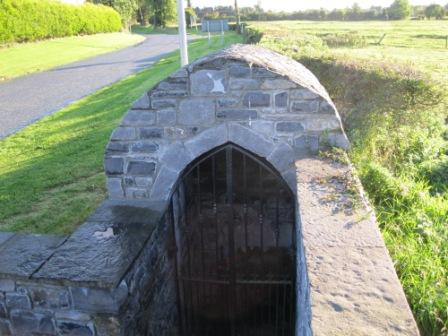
293,5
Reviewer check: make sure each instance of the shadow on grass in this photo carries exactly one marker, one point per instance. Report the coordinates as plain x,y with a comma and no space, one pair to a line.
51,172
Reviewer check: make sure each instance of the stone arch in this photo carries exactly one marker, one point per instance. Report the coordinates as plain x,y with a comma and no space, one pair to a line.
180,154
260,100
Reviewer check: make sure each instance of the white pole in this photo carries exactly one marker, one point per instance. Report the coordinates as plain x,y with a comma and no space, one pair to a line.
182,33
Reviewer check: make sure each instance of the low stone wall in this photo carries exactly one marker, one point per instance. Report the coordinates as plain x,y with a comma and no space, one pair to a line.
139,300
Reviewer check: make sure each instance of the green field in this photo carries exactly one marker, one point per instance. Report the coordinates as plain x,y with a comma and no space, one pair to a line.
393,100
25,58
52,173
421,43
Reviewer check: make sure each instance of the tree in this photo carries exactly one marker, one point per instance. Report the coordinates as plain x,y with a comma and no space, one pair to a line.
399,10
435,11
126,8
163,12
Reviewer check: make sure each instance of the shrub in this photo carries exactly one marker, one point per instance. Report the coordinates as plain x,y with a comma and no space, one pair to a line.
351,39
30,20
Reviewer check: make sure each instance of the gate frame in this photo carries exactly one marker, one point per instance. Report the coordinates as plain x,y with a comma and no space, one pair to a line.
263,162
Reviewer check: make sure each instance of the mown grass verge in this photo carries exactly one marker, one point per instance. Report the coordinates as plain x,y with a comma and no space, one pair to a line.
25,58
394,115
51,173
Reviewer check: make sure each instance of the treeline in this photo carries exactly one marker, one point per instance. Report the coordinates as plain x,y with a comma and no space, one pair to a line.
155,12
30,20
400,9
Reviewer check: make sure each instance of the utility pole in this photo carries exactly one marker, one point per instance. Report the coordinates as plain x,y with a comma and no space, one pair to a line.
237,11
182,33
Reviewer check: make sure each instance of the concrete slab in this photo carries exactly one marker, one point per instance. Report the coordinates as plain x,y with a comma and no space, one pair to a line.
101,251
354,289
23,254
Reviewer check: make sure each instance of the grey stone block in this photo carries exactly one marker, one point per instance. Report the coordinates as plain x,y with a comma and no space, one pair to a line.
336,139
123,133
117,147
73,328
176,157
113,166
278,84
141,168
281,99
244,84
151,132
262,73
321,124
95,300
282,157
196,111
3,310
181,73
17,301
157,94
237,114
239,71
326,108
303,94
173,85
72,315
227,102
207,140
49,297
307,143
250,140
305,106
166,117
264,126
208,82
7,285
290,177
289,126
115,188
163,184
142,103
139,118
5,327
136,193
144,147
257,99
163,103
25,322
143,181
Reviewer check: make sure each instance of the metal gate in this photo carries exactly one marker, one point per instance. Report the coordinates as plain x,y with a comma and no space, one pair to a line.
234,230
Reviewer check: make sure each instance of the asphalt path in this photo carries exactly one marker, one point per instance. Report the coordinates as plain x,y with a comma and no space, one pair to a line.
27,99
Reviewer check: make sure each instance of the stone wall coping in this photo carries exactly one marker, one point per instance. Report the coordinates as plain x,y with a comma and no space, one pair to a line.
98,254
268,60
354,289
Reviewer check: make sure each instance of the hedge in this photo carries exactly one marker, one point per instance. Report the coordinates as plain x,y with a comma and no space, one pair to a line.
30,20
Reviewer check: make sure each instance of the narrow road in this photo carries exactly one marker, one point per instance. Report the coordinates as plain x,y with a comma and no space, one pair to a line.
27,99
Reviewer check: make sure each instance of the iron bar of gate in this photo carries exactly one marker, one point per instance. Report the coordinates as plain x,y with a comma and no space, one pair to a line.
232,288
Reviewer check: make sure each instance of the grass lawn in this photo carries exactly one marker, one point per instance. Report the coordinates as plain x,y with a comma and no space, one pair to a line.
394,101
25,58
51,173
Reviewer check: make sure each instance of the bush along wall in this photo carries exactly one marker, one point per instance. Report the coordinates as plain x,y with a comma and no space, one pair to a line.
30,20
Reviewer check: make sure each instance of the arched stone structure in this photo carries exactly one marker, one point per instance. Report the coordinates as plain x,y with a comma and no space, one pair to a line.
116,274
260,100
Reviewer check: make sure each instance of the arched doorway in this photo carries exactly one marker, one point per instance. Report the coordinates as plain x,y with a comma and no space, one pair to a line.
234,227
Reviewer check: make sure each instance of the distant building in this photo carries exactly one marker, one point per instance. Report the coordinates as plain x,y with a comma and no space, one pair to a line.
73,2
